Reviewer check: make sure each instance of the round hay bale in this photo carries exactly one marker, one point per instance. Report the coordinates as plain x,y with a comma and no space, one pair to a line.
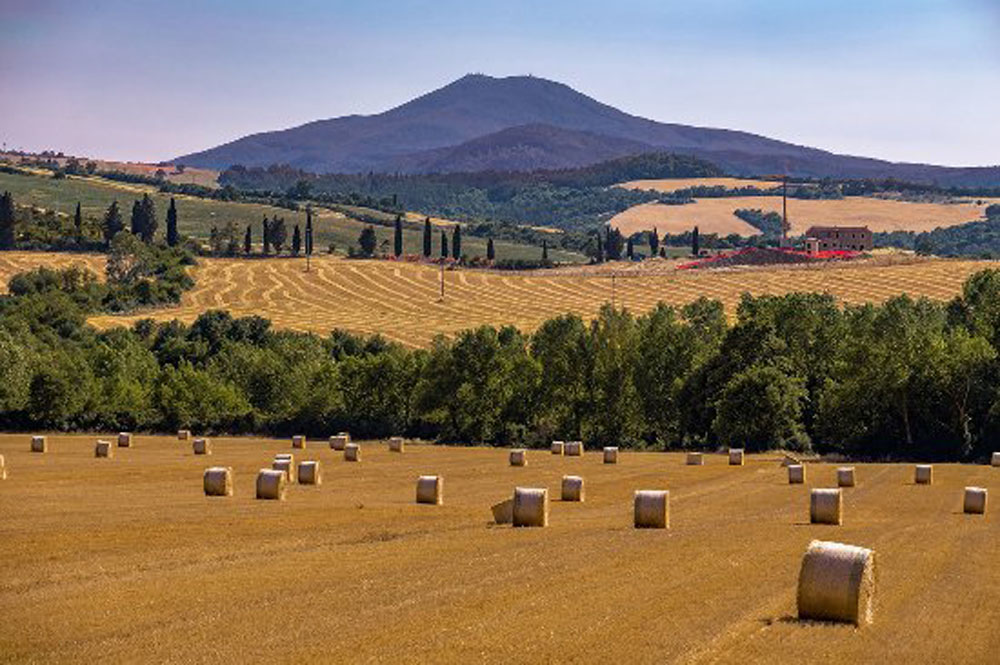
845,476
695,459
104,449
271,484
736,457
352,452
3,468
558,447
287,467
519,457
995,459
826,506
202,446
837,583
975,501
183,434
611,455
430,489
310,473
218,481
396,444
651,509
531,507
285,456
39,444
338,441
923,474
796,474
573,448
503,512
124,440
572,488
299,442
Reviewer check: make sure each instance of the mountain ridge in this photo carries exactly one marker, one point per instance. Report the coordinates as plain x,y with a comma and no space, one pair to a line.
472,123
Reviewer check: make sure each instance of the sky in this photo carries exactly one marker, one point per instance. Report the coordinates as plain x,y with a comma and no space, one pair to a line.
905,80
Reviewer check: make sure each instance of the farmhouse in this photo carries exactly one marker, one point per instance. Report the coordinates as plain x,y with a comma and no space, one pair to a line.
827,238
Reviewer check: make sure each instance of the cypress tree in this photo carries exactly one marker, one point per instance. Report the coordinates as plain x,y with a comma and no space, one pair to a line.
266,235
654,242
444,244
113,223
296,240
6,221
135,221
545,250
397,240
309,231
600,248
695,242
247,241
143,222
173,239
427,238
490,254
628,250
78,223
456,243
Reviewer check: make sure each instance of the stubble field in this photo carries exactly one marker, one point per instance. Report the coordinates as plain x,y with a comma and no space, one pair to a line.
126,560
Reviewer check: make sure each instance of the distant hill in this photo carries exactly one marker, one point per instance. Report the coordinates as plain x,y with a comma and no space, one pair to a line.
521,123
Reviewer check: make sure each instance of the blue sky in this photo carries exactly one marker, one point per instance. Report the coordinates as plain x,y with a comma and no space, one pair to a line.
913,80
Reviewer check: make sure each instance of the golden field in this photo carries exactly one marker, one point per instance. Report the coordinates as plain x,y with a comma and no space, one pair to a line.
125,560
401,300
716,215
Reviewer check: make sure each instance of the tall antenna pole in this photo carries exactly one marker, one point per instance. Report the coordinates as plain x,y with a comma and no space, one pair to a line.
784,211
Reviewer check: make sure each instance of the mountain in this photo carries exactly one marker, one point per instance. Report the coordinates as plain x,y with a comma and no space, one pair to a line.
521,123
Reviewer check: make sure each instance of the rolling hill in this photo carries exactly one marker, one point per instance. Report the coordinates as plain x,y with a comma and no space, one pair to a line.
463,126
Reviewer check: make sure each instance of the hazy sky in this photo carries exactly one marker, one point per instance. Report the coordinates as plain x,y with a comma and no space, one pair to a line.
907,80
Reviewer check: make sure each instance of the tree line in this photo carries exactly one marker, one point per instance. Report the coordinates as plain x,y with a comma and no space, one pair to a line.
911,379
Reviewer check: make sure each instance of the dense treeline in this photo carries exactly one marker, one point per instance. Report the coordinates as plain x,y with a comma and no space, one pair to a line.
981,239
907,379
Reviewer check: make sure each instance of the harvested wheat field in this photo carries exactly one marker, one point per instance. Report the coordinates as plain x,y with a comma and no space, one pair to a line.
127,560
401,300
12,263
716,215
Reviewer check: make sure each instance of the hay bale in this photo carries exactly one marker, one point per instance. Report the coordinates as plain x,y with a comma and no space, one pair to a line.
845,476
736,457
995,459
3,468
271,484
573,449
124,440
104,449
396,444
202,446
652,509
558,447
339,441
39,444
218,481
286,466
519,457
975,501
503,512
430,489
183,434
288,456
796,474
695,459
352,452
310,473
826,506
923,474
611,455
299,442
531,507
572,488
837,583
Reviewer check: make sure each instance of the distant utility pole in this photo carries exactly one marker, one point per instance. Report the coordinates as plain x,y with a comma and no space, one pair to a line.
784,211
613,290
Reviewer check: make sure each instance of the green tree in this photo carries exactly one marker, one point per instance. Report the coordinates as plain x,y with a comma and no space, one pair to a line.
78,223
630,249
309,231
456,243
265,235
143,221
545,250
278,233
189,397
615,415
397,245
296,241
760,409
6,221
490,252
368,241
113,223
654,242
16,365
561,347
427,238
444,245
248,241
695,243
173,238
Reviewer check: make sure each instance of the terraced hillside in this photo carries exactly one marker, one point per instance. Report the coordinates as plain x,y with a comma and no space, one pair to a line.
402,300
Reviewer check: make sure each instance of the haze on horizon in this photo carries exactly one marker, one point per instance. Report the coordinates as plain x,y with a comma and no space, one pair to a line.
904,80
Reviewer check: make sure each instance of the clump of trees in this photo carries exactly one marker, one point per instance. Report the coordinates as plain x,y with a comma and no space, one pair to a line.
909,378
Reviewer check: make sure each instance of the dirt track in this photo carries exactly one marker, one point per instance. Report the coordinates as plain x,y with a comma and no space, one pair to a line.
126,560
